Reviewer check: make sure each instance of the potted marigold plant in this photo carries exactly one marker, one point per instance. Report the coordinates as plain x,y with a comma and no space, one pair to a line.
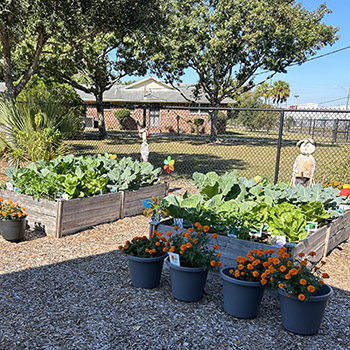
12,221
302,292
145,259
244,284
190,259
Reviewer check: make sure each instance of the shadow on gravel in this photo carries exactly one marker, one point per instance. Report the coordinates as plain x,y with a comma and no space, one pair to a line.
89,303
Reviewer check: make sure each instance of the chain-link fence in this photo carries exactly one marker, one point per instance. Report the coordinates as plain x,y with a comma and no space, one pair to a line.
252,141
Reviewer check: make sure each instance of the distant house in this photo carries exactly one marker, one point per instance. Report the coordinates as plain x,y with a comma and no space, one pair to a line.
154,95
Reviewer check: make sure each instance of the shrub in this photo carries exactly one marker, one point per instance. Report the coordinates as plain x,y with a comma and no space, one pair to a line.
67,108
198,122
122,116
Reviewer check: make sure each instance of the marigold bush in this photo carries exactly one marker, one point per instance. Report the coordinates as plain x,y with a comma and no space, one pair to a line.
11,211
192,247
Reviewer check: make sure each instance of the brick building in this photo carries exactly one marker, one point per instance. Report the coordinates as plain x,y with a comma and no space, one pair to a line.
146,100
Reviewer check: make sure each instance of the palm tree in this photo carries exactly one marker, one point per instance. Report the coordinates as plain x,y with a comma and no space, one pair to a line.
264,90
280,91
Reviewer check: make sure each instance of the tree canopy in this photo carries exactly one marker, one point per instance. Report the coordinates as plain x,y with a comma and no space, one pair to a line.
227,42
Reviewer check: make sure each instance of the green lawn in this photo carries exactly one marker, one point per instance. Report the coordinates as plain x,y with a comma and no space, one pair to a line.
250,154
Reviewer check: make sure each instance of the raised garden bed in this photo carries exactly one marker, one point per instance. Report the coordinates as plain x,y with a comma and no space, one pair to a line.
321,242
61,217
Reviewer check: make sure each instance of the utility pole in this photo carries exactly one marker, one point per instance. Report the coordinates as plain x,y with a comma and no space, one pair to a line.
347,99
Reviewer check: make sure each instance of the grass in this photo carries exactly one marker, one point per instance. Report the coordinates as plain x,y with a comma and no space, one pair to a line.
250,154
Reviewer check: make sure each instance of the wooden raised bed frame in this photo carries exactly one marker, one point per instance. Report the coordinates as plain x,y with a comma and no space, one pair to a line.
62,217
322,241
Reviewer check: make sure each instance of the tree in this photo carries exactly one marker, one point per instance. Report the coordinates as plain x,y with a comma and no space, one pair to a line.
227,42
280,91
25,28
98,60
264,90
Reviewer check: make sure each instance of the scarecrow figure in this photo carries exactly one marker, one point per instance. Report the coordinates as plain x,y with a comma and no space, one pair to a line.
143,133
304,165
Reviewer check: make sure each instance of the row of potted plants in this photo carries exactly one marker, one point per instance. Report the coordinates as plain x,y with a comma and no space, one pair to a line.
299,282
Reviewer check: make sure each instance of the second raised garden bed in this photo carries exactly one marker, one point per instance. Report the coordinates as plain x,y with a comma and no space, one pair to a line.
321,242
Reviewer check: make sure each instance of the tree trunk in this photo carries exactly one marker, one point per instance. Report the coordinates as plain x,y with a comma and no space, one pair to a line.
5,41
100,116
214,126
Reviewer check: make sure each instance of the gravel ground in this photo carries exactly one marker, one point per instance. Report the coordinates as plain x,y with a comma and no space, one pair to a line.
75,293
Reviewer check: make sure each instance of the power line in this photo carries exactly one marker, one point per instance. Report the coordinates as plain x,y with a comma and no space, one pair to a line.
311,58
337,99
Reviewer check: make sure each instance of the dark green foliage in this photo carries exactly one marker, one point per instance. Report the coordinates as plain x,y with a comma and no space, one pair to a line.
123,117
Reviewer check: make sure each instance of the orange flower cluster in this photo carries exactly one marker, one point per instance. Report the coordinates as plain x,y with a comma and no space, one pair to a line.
253,266
11,211
192,246
144,247
299,277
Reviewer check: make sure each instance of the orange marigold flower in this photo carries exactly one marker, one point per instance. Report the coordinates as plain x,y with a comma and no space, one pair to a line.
311,289
301,297
218,254
183,247
266,264
190,230
301,255
322,283
147,250
172,249
293,272
165,249
256,262
256,274
283,268
303,262
206,228
1,199
196,224
219,263
200,227
289,263
237,273
120,247
263,281
157,244
271,279
126,246
250,267
215,246
198,234
176,228
242,273
303,282
312,253
188,245
285,255
230,272
260,254
325,275
214,235
240,267
13,214
288,276
213,263
155,232
280,285
169,234
255,251
194,241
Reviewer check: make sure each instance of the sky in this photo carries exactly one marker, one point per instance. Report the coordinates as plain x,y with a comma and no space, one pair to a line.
325,80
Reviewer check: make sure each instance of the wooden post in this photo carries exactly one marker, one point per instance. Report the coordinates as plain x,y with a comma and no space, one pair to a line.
58,233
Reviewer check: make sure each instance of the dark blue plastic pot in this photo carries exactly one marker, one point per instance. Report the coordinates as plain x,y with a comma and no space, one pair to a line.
304,317
187,283
13,230
145,272
241,298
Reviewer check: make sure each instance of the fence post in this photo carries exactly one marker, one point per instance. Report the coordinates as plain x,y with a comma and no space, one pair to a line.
310,123
279,145
144,113
178,124
335,130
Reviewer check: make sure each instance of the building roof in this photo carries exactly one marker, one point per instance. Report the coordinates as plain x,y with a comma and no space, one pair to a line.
148,90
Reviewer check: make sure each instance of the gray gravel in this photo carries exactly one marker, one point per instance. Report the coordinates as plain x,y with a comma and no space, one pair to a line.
89,303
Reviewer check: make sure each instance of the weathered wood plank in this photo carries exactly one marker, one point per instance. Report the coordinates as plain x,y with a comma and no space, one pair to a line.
95,200
92,213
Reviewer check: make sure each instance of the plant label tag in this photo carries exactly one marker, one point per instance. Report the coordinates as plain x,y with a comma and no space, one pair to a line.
65,196
9,186
311,227
179,222
280,241
174,258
